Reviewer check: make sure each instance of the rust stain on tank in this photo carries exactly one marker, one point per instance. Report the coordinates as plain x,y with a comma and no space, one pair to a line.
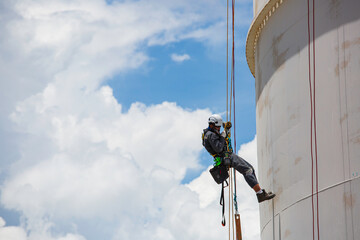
343,118
341,66
293,116
297,160
269,172
349,200
287,233
344,64
356,140
350,43
337,70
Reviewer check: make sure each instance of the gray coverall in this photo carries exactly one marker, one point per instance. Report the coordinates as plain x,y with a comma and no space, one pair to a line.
215,144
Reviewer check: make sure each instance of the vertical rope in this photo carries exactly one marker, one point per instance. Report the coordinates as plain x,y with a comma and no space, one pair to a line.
230,186
230,98
233,91
315,135
313,131
227,93
227,60
311,122
232,62
232,211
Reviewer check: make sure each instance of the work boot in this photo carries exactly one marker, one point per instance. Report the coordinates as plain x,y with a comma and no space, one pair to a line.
264,196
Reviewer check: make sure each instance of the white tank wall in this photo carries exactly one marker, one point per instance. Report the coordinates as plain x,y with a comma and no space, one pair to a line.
283,119
258,5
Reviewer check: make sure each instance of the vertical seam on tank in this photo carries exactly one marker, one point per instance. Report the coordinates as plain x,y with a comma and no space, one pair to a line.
279,226
272,175
273,219
341,115
347,133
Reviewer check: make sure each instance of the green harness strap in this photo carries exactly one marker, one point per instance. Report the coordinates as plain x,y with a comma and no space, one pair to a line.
217,161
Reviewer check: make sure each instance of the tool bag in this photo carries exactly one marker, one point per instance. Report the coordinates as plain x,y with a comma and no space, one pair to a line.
219,173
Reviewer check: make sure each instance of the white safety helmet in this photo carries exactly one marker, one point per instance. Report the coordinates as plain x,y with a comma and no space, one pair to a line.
216,120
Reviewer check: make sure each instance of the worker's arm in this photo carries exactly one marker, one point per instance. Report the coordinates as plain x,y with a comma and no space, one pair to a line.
217,142
226,132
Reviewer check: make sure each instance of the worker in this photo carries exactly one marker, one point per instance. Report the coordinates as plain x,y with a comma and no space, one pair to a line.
216,144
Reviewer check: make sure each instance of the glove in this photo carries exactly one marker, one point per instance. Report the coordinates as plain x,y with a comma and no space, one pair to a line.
227,125
223,134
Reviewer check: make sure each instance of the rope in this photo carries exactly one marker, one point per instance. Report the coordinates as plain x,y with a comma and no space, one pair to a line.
230,111
227,60
233,89
232,58
231,98
230,185
315,135
232,210
313,122
311,119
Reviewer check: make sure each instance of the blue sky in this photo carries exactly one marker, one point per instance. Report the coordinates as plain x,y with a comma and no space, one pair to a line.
199,82
103,106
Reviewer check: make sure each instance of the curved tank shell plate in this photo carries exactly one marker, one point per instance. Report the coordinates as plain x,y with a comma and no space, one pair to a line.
277,54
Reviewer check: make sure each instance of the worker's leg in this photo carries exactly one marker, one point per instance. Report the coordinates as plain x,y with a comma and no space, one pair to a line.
246,170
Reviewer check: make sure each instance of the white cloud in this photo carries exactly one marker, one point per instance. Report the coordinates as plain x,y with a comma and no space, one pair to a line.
179,58
42,41
11,233
85,168
98,186
102,163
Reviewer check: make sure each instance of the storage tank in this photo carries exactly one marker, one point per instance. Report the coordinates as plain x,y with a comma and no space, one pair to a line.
308,116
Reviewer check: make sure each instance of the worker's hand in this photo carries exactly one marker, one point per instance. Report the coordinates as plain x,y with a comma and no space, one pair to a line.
227,125
223,134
